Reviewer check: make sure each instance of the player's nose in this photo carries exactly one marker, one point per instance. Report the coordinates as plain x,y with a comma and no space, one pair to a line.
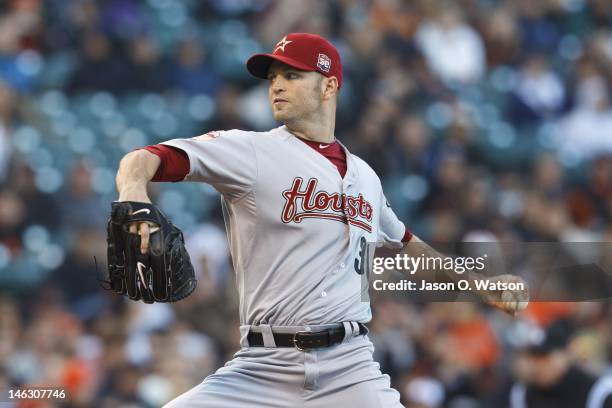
277,85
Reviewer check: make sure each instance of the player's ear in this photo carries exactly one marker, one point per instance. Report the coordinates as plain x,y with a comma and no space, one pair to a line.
329,87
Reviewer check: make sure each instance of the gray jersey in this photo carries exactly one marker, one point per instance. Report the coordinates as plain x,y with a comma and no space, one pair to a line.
296,228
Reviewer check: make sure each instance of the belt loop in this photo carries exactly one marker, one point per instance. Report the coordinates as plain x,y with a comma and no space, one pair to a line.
348,331
244,334
355,327
268,337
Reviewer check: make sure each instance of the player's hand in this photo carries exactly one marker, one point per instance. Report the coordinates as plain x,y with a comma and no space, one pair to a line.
144,230
508,301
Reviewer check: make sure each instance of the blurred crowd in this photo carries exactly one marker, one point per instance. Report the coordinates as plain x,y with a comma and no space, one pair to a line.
485,118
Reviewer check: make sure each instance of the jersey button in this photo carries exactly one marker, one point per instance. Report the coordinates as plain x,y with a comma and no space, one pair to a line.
342,265
323,294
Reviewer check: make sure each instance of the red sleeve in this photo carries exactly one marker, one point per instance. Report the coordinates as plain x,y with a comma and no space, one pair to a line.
407,236
174,164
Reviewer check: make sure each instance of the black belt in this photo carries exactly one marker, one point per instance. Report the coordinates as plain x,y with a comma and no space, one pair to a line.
305,340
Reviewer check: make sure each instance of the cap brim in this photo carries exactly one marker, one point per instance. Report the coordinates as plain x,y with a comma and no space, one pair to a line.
259,64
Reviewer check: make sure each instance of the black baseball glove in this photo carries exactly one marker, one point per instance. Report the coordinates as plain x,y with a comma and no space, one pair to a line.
164,273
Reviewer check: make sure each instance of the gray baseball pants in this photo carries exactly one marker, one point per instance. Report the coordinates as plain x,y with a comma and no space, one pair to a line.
343,375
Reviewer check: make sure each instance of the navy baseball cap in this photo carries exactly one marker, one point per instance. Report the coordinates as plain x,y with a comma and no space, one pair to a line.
306,52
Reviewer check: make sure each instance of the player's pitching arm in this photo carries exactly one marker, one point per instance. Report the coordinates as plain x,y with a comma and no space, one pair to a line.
136,170
509,301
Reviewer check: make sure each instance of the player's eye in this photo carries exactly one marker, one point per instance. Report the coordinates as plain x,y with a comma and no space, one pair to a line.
291,75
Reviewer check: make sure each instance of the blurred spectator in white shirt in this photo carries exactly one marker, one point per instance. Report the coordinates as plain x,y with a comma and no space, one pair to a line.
453,49
207,244
539,92
586,131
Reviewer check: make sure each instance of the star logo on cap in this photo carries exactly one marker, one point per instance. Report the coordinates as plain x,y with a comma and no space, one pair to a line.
281,44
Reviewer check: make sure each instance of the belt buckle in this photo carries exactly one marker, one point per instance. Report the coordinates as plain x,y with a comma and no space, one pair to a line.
295,340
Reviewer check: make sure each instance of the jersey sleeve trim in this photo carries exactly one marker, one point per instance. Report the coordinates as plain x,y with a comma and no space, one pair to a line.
174,163
407,236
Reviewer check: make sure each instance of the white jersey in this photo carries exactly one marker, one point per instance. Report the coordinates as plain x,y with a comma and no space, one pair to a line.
296,228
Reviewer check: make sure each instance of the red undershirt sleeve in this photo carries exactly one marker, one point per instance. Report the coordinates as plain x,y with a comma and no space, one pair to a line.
407,236
174,165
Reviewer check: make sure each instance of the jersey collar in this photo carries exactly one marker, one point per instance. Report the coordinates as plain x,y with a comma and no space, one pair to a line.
351,164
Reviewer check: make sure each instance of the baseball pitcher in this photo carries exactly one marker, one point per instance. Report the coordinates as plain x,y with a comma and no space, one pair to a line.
298,209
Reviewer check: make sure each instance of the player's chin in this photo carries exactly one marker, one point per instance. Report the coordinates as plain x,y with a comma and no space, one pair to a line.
280,115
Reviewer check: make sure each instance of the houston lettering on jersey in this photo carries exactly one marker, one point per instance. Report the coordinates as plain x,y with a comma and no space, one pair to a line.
309,203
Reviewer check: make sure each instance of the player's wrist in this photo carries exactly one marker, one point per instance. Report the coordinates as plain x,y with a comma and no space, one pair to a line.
134,193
